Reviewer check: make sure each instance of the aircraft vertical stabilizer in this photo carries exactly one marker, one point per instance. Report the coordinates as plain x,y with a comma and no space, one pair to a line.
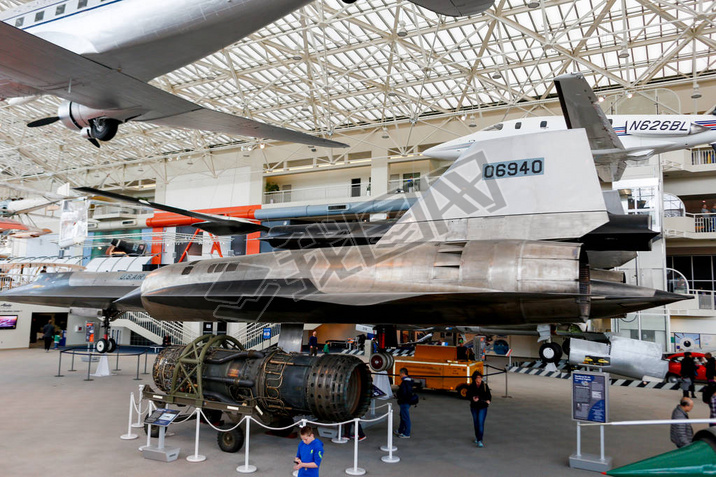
535,186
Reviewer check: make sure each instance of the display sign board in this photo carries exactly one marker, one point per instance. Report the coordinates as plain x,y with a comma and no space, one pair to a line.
89,332
590,396
162,417
267,333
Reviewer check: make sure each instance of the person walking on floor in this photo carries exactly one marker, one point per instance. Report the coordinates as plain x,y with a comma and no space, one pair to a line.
313,344
688,373
48,334
480,397
682,434
405,396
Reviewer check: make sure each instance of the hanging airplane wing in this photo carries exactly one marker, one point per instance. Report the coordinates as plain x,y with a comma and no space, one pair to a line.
581,110
39,65
215,224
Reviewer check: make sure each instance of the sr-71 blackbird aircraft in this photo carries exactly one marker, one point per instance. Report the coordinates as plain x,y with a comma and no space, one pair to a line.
478,248
614,139
99,55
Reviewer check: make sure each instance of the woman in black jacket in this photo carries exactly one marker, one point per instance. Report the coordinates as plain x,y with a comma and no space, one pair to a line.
479,395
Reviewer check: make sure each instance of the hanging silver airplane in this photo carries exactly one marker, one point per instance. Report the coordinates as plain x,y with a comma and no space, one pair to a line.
98,56
614,139
478,248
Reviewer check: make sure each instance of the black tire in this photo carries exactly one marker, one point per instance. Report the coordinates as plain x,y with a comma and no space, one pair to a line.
381,361
155,430
101,346
230,441
104,129
111,345
550,352
462,391
565,346
672,378
282,422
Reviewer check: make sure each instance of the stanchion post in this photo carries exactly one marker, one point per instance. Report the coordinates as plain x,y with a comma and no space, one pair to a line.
340,439
72,367
196,457
390,458
579,439
355,470
129,434
89,364
116,364
139,408
601,443
507,393
59,367
137,378
145,363
246,468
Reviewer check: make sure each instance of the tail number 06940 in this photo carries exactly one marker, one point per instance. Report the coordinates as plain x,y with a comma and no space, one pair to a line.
524,167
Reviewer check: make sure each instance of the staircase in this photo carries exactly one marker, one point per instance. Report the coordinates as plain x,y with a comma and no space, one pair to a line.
155,330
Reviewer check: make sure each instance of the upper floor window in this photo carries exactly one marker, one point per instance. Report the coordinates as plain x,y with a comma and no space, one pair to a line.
60,9
81,4
19,22
39,16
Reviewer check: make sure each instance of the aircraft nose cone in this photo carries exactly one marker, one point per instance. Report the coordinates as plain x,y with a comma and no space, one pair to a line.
441,152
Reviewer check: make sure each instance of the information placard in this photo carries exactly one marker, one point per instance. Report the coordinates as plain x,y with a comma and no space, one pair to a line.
590,396
162,417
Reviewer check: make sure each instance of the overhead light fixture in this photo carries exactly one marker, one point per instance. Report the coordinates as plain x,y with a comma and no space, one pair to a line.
472,122
140,169
533,4
392,93
262,146
601,99
623,53
629,94
190,162
296,56
385,133
305,107
496,75
402,32
696,94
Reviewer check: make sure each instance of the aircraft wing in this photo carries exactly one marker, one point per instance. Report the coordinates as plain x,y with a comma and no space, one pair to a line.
581,111
7,225
29,65
215,224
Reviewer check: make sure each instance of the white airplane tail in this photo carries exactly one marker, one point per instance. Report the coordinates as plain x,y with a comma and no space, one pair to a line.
530,187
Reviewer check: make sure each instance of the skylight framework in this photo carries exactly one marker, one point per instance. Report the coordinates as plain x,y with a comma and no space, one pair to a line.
331,68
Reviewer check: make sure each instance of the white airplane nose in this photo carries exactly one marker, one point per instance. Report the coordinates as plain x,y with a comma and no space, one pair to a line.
442,152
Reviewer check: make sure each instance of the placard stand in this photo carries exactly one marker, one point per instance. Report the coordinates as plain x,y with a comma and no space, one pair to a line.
161,418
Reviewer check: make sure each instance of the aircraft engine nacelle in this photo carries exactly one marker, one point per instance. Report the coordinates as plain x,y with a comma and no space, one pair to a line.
76,116
329,387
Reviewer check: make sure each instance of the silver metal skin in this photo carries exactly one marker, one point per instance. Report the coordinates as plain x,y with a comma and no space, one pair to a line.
628,357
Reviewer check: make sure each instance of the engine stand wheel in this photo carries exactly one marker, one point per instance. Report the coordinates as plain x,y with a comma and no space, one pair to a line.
550,352
230,441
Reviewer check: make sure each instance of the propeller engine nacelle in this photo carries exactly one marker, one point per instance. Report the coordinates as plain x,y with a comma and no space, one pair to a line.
92,123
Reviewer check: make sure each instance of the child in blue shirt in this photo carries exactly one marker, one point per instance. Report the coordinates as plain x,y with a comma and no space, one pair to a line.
309,455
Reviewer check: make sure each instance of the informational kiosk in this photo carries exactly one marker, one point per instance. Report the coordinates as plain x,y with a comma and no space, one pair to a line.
161,418
590,403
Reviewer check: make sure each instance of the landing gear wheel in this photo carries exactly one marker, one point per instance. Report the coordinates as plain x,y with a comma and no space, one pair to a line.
462,391
101,346
111,345
282,422
381,361
230,441
104,129
672,378
550,352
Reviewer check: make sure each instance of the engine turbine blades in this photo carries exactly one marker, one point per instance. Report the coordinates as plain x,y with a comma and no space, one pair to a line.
43,122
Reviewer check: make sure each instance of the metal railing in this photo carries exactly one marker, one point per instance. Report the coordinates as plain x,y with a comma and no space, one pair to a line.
703,223
701,157
174,329
343,191
705,299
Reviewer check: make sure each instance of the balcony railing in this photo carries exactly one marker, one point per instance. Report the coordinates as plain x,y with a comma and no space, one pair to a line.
704,223
344,191
702,157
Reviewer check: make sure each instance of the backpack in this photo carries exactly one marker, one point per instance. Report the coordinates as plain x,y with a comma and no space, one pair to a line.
414,399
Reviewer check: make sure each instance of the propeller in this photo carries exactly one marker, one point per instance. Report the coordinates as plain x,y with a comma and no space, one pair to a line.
43,122
94,142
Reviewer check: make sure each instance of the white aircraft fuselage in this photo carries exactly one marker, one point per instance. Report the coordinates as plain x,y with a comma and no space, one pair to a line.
642,135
